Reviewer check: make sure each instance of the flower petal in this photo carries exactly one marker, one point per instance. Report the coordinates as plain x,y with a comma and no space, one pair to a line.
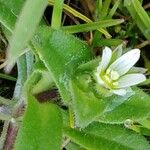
130,79
121,92
123,64
106,57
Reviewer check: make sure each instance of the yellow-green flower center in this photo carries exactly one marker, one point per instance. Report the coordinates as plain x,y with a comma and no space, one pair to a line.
110,78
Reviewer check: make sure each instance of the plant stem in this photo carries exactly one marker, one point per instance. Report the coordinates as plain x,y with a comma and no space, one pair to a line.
3,134
22,76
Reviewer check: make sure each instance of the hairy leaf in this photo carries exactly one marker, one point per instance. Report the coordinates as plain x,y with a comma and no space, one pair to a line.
41,127
105,137
135,108
62,54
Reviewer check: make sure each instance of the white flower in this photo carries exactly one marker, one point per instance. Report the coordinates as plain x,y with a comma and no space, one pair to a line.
116,72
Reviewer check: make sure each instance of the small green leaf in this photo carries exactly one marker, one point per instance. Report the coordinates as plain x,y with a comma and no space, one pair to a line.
62,54
41,128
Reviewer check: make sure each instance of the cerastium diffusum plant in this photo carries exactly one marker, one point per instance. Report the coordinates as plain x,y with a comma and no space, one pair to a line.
66,97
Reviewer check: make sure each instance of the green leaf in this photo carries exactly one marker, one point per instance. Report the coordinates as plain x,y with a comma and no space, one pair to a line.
105,137
139,15
42,123
135,108
119,134
41,127
86,106
62,54
24,30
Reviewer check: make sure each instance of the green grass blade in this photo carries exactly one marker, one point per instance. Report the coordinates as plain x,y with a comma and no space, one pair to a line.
91,26
108,42
105,8
57,14
113,10
98,9
139,15
81,16
7,77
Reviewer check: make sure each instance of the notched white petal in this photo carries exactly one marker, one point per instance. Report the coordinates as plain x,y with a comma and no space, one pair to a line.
106,57
123,64
130,80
